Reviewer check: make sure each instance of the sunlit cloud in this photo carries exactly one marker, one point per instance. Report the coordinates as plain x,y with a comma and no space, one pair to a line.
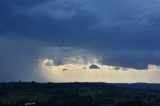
79,69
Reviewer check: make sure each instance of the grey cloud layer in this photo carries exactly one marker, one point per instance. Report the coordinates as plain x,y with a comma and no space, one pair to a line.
124,32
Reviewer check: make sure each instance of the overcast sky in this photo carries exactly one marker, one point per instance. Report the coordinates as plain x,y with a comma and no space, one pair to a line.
123,33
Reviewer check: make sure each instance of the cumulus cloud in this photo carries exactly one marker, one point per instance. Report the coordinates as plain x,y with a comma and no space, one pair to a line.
67,55
82,59
47,62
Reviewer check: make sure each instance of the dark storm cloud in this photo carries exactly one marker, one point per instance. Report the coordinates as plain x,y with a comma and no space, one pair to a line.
48,21
124,32
18,60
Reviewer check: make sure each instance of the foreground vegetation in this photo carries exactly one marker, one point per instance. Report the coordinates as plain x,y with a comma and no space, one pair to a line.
79,94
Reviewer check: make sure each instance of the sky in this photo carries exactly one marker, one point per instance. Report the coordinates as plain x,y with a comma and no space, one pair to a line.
40,37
